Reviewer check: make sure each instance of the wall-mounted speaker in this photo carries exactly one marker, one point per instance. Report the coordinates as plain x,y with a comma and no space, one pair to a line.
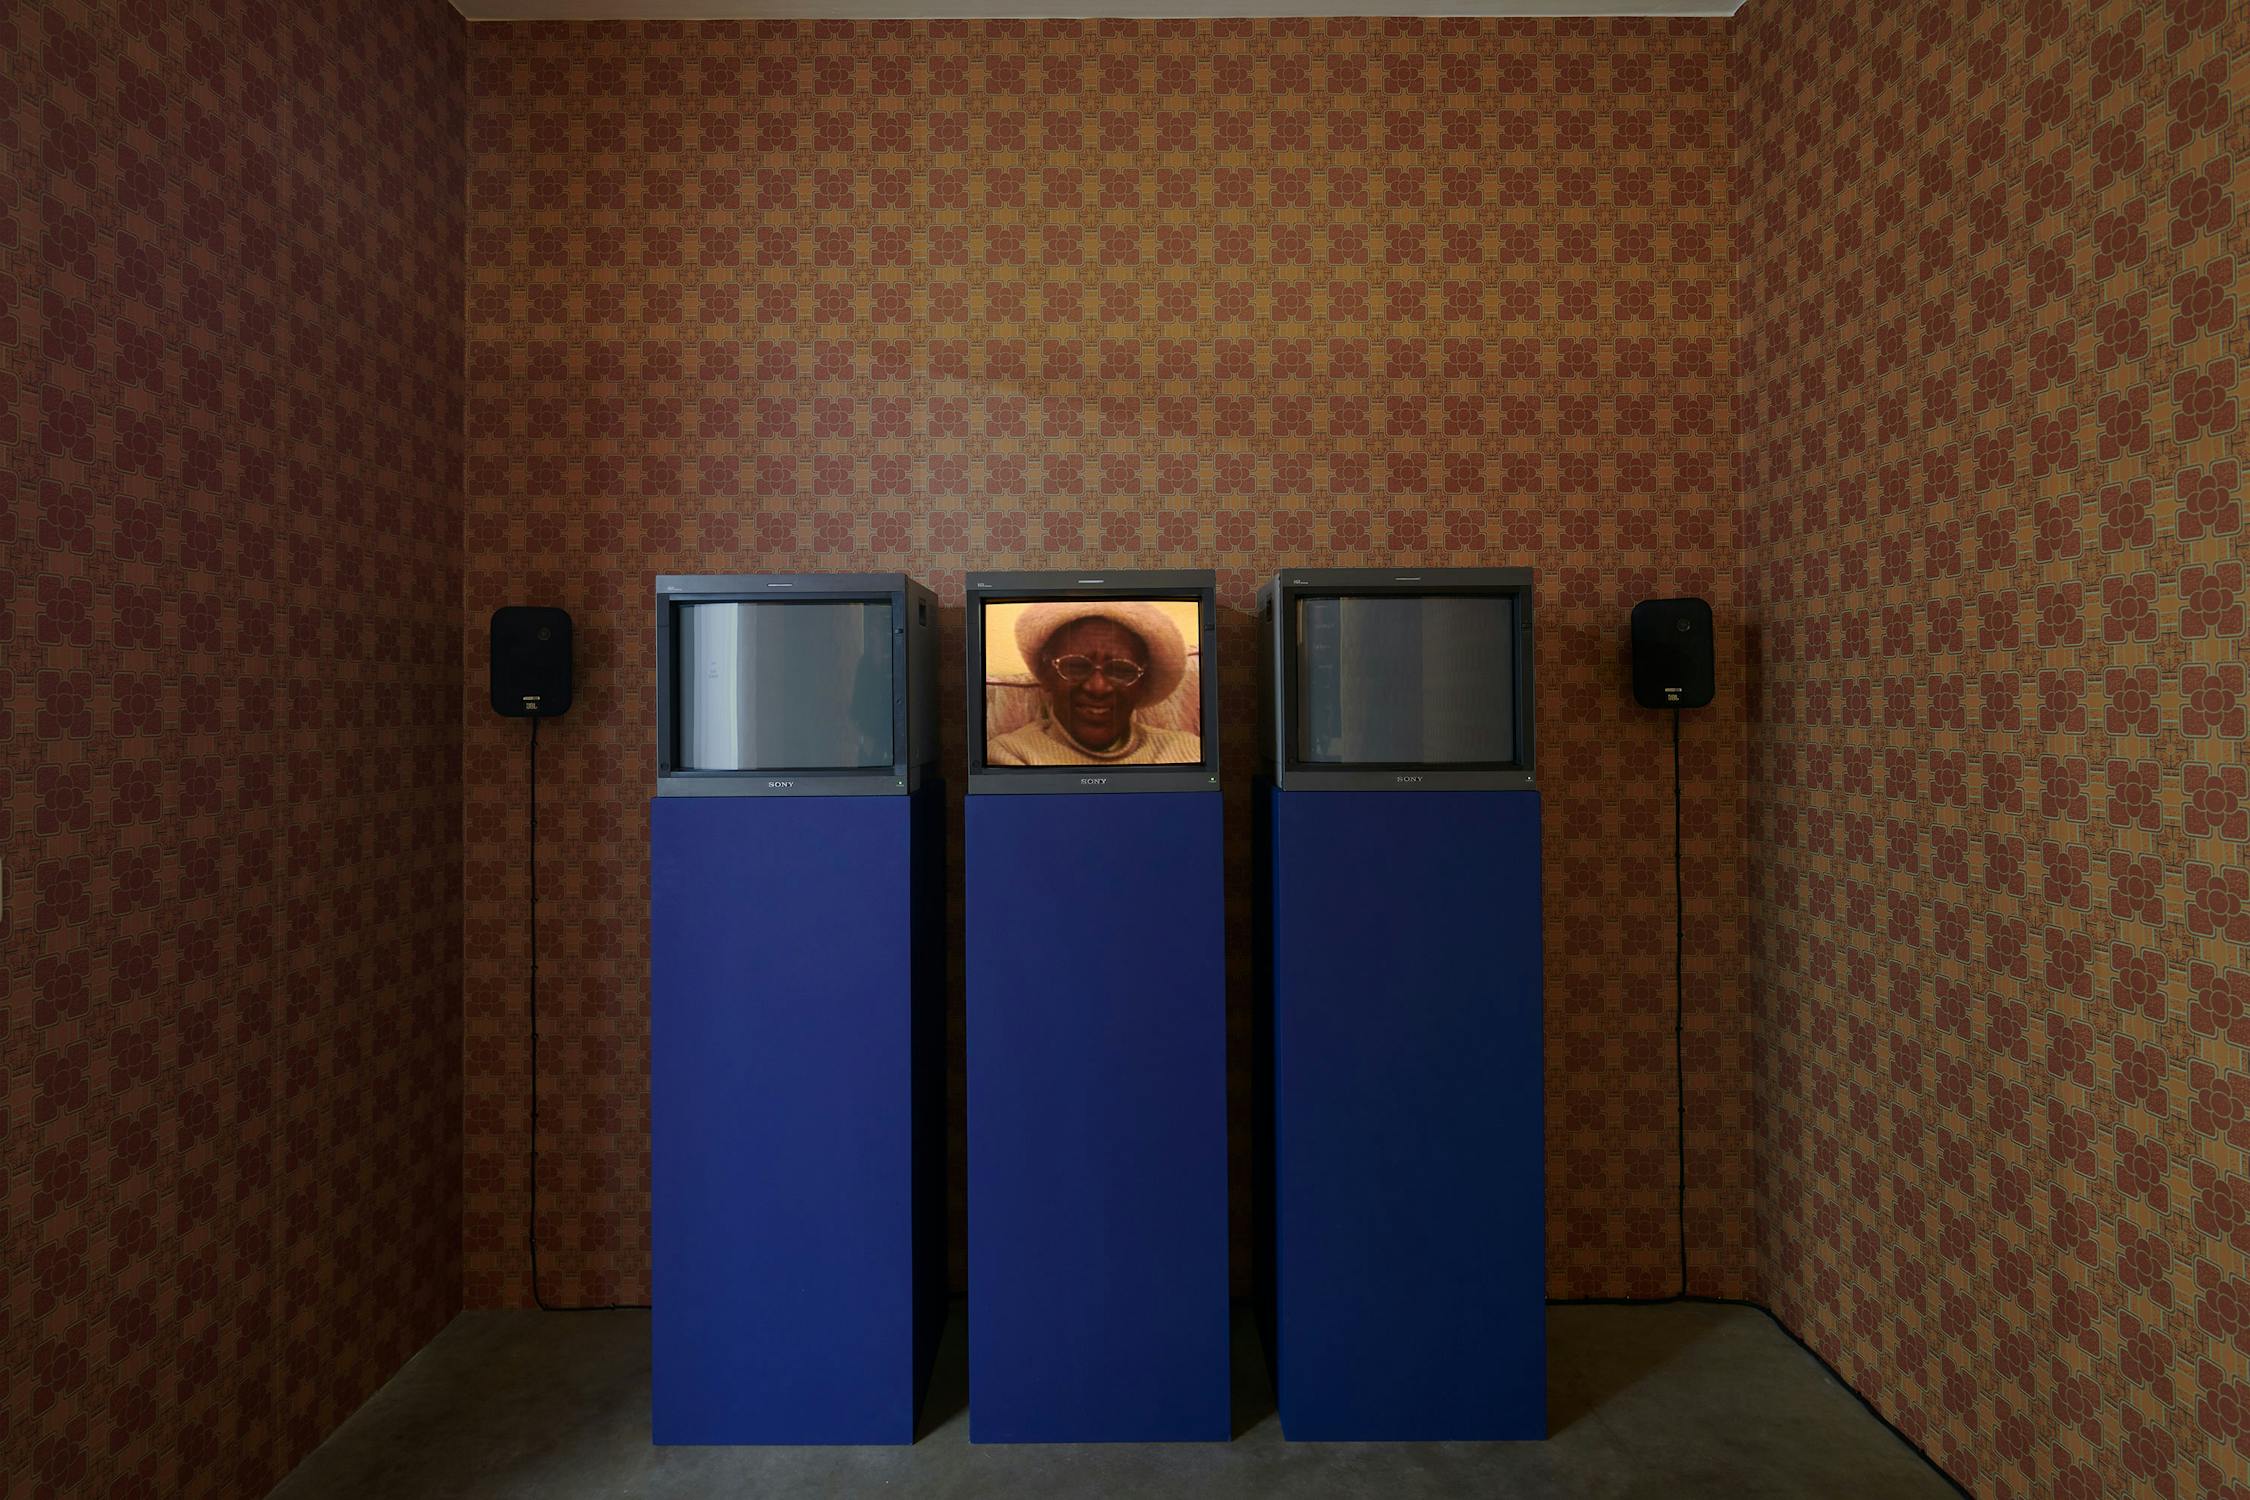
530,661
1673,656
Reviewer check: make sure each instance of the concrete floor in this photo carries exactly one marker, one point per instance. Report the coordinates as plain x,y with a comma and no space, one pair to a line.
1673,1401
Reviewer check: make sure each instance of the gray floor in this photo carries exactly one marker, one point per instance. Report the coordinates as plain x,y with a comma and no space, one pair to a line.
1671,1401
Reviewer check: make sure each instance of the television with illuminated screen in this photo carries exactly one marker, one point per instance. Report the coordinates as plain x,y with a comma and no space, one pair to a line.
1416,679
794,685
1092,681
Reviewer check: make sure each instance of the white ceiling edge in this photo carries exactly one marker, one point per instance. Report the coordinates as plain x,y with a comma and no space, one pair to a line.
1046,10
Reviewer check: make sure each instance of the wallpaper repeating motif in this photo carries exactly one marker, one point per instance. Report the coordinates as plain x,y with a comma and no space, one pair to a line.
940,297
230,436
1993,263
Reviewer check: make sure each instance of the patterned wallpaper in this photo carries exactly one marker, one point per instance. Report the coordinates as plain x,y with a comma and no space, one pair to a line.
230,431
951,296
1993,262
939,297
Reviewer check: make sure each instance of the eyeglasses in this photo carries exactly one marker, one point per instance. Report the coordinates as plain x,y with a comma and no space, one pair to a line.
1121,671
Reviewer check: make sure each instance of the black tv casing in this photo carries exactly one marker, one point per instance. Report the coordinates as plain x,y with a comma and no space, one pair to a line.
1198,584
914,626
1277,708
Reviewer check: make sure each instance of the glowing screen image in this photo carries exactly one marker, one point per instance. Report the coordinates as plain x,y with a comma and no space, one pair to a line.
1093,682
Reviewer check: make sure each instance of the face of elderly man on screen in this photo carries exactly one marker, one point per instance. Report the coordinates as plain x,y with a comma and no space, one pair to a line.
1098,664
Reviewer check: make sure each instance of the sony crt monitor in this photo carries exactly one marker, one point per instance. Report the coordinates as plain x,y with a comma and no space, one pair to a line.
1408,679
794,685
1097,681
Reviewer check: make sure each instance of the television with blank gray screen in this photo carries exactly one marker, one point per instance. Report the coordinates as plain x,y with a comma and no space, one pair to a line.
1374,679
794,685
1405,681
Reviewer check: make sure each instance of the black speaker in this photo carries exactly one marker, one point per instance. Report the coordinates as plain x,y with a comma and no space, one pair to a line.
530,661
1673,658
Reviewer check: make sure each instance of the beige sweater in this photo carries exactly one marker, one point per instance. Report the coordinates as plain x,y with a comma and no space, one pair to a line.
1043,742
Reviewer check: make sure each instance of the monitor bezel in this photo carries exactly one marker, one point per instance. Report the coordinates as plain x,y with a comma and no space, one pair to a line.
675,589
1291,773
1198,584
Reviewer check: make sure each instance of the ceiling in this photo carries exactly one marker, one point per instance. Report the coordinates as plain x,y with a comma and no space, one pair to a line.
542,10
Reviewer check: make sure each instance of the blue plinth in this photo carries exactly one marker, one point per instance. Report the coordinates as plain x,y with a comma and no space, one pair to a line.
796,1100
1097,1118
1401,1171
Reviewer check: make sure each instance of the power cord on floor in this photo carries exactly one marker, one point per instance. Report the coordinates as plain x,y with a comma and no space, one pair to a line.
531,1219
1679,1079
1679,1001
1679,1045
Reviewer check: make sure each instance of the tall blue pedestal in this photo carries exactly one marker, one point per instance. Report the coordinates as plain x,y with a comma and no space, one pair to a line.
797,1085
1097,1118
1400,1175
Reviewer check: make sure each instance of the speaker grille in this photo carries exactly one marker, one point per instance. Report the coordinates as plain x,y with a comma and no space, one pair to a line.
1673,655
531,661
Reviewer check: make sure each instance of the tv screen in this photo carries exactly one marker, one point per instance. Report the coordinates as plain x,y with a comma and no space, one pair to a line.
783,686
1405,680
1093,682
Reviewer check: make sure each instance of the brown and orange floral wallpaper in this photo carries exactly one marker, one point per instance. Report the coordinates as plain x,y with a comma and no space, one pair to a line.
231,266
945,296
1992,265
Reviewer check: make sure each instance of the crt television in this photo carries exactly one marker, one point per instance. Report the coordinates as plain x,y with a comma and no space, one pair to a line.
1094,681
794,685
1406,679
